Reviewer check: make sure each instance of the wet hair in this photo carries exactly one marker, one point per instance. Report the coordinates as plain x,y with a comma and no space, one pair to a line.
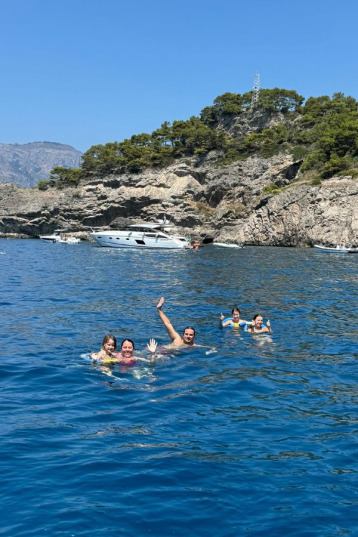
235,309
257,315
129,340
189,328
106,338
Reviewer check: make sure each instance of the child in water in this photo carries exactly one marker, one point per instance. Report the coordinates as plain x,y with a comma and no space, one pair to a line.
235,321
257,326
108,355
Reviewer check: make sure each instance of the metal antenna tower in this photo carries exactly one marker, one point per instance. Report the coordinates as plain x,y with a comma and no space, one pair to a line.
255,90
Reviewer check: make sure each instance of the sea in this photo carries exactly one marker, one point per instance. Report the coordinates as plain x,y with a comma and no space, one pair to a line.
245,435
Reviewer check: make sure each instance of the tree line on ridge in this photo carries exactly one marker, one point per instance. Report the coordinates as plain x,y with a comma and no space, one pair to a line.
321,132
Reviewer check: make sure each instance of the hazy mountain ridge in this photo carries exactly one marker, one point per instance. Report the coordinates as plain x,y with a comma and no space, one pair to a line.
25,165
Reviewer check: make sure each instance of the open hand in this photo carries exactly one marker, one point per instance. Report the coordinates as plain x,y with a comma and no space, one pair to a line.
160,303
152,346
221,317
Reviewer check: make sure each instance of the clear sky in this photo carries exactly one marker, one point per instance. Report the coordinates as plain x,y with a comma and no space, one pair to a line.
88,72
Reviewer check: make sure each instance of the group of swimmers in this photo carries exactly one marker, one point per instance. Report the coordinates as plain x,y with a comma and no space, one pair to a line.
109,355
256,326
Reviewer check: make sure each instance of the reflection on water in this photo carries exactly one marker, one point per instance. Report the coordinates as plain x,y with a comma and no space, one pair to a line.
250,435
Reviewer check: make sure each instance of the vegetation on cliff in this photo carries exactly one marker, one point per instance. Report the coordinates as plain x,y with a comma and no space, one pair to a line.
322,133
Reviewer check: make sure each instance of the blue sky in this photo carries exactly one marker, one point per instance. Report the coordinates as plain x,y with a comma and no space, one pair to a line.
88,72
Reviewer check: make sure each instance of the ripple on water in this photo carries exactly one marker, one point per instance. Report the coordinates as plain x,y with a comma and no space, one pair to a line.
258,438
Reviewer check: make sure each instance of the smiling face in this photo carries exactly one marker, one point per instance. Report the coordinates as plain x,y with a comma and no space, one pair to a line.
236,316
188,336
109,343
127,349
109,346
258,321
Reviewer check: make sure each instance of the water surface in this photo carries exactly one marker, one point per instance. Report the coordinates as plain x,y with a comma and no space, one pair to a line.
258,438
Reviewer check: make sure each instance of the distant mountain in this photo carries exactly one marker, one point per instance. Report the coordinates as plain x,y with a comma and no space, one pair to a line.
27,164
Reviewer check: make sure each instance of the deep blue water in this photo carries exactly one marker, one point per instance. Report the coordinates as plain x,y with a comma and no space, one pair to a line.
258,438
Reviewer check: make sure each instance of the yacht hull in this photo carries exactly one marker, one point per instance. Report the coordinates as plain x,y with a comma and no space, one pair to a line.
337,250
138,240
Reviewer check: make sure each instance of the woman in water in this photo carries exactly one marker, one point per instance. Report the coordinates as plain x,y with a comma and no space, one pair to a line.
108,354
234,321
257,326
127,349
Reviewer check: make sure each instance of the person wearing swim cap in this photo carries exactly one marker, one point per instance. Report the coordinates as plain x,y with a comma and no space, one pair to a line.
186,340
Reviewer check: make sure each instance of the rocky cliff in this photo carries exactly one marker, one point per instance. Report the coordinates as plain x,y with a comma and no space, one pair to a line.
25,165
258,199
226,203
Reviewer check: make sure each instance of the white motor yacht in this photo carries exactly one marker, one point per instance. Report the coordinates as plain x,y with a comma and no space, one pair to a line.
54,237
61,237
142,235
339,249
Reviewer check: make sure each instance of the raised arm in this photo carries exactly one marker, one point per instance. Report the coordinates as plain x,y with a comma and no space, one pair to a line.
221,320
174,336
152,347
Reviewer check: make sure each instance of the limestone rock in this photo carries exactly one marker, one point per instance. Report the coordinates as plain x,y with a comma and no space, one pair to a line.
226,203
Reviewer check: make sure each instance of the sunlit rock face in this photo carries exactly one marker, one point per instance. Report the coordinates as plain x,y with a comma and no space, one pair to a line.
260,201
225,203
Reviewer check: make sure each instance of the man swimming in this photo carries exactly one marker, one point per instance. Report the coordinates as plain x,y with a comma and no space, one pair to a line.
187,339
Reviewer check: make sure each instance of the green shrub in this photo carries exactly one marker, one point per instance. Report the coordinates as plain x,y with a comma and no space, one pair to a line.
231,155
270,148
353,173
44,185
299,152
271,189
335,165
314,160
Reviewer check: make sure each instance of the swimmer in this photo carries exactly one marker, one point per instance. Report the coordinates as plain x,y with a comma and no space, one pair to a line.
108,350
236,322
186,340
127,349
257,326
108,355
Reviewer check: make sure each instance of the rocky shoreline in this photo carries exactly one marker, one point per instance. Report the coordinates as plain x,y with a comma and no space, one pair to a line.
256,201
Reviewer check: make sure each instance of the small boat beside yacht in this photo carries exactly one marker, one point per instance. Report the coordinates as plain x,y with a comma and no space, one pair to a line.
69,239
61,237
227,245
160,234
339,249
